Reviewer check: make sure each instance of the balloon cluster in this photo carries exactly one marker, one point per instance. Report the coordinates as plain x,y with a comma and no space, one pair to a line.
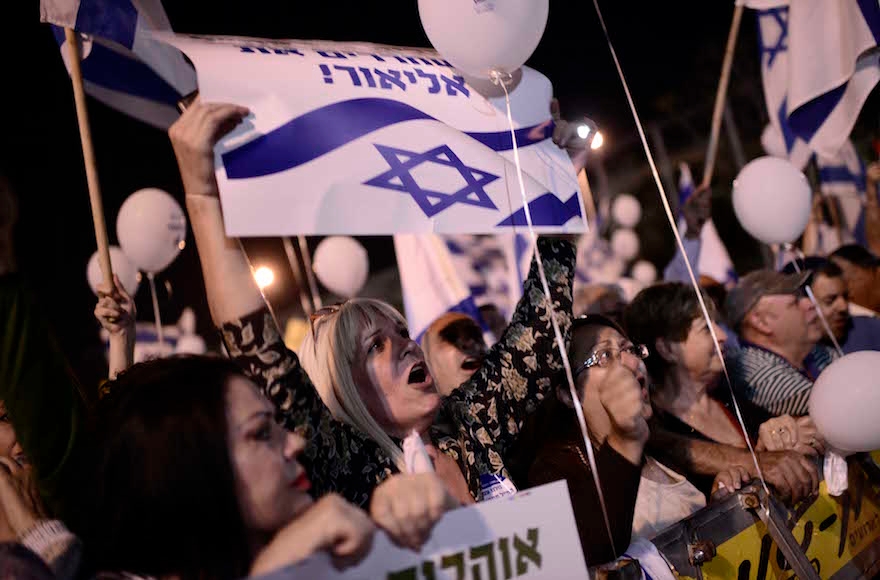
626,210
151,229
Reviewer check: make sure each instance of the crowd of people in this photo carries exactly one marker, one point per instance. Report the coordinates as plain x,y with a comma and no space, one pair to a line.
227,467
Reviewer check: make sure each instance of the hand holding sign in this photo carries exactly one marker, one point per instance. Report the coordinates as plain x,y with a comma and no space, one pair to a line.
193,137
408,506
331,524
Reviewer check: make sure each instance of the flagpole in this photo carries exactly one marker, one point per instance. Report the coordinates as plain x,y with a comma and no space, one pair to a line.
310,274
85,135
298,276
721,96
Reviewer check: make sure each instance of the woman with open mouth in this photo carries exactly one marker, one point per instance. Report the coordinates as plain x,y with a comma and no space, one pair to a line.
363,384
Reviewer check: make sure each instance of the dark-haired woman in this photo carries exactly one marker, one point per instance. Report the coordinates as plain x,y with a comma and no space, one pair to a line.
194,478
685,371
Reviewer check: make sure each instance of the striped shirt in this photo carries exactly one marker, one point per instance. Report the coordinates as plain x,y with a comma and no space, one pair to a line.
771,382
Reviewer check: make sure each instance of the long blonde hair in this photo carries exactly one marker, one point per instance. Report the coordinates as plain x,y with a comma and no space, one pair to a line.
328,362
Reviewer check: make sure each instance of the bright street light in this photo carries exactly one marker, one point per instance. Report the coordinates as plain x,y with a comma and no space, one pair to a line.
598,140
583,131
264,277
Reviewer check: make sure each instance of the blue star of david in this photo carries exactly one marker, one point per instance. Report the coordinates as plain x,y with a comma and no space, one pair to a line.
780,15
432,202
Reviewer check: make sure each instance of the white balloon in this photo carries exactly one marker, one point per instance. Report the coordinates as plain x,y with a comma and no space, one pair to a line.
772,200
481,36
644,271
626,210
773,142
151,228
122,267
625,244
845,402
342,265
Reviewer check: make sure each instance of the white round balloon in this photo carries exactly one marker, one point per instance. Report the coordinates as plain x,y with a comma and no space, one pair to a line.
772,200
122,267
481,36
342,265
626,210
845,402
644,272
151,229
625,244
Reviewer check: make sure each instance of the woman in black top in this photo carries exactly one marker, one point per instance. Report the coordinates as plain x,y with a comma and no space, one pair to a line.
687,393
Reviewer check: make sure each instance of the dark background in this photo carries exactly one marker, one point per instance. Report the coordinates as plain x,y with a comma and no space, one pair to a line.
670,52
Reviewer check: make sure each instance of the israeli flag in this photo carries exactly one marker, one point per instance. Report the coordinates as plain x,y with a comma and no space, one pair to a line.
714,259
122,66
819,64
843,177
430,282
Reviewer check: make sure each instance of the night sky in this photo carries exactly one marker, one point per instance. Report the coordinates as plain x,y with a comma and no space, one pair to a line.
671,53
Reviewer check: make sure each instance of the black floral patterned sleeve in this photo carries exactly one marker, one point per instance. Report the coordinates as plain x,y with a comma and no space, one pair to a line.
520,369
338,458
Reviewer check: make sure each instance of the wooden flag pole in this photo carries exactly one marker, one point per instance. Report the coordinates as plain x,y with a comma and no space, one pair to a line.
85,134
721,96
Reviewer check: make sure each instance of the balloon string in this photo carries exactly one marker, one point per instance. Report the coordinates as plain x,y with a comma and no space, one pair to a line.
808,288
159,334
672,223
560,343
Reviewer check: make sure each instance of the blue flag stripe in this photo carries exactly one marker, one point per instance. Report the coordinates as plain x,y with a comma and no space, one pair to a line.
335,125
112,70
116,21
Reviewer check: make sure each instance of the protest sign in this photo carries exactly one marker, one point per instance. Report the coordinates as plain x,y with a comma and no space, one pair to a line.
365,139
530,535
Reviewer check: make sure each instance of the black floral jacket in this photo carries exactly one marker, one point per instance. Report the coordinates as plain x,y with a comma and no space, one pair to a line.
477,424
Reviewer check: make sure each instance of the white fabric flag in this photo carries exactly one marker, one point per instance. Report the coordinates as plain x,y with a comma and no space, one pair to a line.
122,65
431,285
819,62
365,139
843,177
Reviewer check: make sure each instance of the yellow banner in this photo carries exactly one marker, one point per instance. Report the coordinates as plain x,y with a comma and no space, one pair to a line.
833,531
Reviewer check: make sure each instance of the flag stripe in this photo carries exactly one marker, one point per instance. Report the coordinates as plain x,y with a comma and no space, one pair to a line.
339,124
116,21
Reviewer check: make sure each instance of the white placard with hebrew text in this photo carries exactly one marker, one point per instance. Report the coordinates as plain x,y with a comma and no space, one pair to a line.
531,536
348,138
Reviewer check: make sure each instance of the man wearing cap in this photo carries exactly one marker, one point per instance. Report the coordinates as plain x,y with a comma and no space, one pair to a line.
779,328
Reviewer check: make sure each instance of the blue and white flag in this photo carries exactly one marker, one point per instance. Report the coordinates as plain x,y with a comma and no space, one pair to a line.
371,140
430,282
844,177
819,64
122,65
714,259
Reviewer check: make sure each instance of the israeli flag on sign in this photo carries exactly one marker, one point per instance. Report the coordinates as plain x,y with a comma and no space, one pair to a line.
371,140
124,67
819,64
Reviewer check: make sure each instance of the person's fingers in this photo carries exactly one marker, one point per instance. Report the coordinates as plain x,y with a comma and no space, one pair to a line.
109,314
813,473
554,109
120,289
11,469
